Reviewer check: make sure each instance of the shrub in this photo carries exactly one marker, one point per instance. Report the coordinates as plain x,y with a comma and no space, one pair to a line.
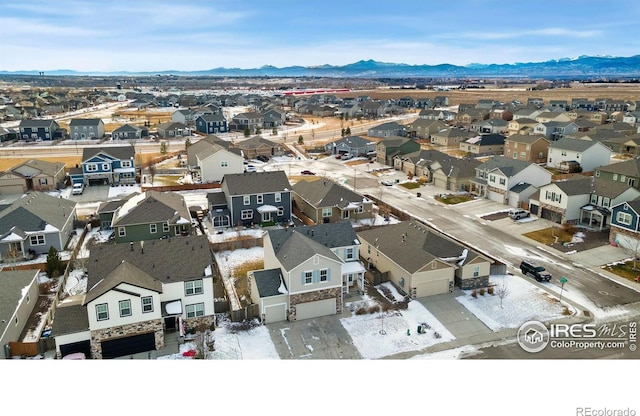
566,311
490,290
474,293
482,291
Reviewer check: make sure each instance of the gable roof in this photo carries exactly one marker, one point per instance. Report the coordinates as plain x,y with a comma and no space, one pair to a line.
486,139
269,282
575,185
254,143
152,207
117,152
256,182
47,168
331,235
85,122
577,145
629,167
297,248
506,165
33,211
326,193
12,286
353,141
526,138
124,272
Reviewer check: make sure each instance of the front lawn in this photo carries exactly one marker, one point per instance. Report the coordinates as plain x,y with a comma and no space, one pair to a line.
625,270
454,199
546,235
409,185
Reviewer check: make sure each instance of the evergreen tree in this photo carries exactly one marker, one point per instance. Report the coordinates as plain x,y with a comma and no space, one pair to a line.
54,263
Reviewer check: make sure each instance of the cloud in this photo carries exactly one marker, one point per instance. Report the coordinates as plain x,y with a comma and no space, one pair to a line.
552,31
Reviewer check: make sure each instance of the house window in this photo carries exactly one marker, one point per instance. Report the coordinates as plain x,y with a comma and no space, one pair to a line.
503,181
349,253
597,174
259,199
492,178
147,304
623,218
308,278
37,240
125,164
122,232
280,211
606,202
102,312
324,275
523,155
476,271
246,214
360,209
345,214
125,308
623,178
195,310
631,182
105,166
278,197
326,212
246,200
564,153
224,164
43,181
193,287
153,228
515,155
615,177
594,199
92,167
577,155
165,227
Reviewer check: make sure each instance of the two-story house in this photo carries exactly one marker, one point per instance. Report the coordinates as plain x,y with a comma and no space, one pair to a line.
216,160
325,201
136,293
386,130
625,225
108,165
86,129
423,128
528,147
46,130
484,144
627,171
184,116
33,175
450,137
250,121
555,130
19,294
588,154
387,149
258,146
211,123
521,126
495,177
258,198
170,130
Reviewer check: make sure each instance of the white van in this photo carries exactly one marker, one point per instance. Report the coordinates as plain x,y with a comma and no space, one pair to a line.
77,188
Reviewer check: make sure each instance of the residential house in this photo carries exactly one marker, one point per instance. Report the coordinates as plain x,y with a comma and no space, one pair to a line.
490,126
184,116
130,132
150,215
171,130
561,201
258,146
18,296
33,175
351,145
113,165
32,224
325,201
386,130
497,175
555,115
432,114
532,148
604,195
420,261
7,134
374,109
450,137
137,293
530,112
211,123
260,198
501,114
86,129
216,161
251,121
423,128
521,126
627,171
588,154
484,144
441,169
625,225
219,213
467,117
301,279
33,130
555,130
387,149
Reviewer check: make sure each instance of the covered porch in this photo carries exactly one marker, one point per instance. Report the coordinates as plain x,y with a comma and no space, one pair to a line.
594,217
268,214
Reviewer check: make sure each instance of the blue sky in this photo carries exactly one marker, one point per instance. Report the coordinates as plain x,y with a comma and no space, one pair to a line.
154,35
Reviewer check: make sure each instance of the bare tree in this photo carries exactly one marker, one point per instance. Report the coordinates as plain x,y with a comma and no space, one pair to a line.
631,247
152,172
502,291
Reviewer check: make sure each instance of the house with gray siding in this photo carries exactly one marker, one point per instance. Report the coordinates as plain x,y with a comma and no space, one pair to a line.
18,296
86,129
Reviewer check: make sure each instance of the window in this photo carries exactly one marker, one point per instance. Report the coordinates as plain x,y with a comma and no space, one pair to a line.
224,164
577,155
259,199
105,166
308,278
360,209
476,271
564,152
615,177
594,199
280,211
195,310
193,287
125,308
345,214
153,228
147,304
324,275
326,212
37,240
492,178
349,253
278,197
92,167
102,312
623,218
43,181
122,232
165,227
246,214
246,200
631,182
597,174
515,155
606,202
503,181
623,178
125,163
523,155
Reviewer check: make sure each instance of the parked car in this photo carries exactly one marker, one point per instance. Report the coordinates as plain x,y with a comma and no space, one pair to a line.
307,172
536,271
516,214
262,158
250,168
77,188
387,183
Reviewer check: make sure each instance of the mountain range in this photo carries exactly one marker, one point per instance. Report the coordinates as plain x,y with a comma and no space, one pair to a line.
580,67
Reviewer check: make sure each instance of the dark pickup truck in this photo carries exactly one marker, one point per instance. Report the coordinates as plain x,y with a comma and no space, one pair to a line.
538,272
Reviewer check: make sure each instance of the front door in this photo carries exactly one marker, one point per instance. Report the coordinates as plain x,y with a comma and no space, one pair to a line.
266,216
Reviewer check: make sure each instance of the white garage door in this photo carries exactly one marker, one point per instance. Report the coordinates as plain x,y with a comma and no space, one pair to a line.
440,183
315,309
275,313
626,241
434,287
495,196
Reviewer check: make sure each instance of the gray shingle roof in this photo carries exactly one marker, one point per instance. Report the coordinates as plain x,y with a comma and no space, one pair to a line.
576,185
572,144
526,138
124,272
507,165
268,282
48,209
85,122
629,167
119,152
69,320
216,198
249,183
331,235
166,260
297,248
152,207
12,284
326,193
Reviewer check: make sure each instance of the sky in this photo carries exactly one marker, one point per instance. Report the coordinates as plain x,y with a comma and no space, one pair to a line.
156,35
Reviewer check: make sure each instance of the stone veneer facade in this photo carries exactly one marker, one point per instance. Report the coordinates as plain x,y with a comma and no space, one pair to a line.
333,293
619,230
472,283
122,331
207,321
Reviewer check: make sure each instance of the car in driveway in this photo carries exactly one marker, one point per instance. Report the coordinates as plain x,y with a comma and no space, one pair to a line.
387,183
307,172
250,168
77,188
516,214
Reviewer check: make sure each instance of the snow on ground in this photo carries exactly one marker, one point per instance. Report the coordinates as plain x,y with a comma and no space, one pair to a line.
385,333
123,190
523,302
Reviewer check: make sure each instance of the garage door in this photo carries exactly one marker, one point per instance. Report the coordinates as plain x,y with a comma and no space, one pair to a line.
128,345
440,183
627,242
435,287
275,313
81,346
11,190
315,309
495,196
